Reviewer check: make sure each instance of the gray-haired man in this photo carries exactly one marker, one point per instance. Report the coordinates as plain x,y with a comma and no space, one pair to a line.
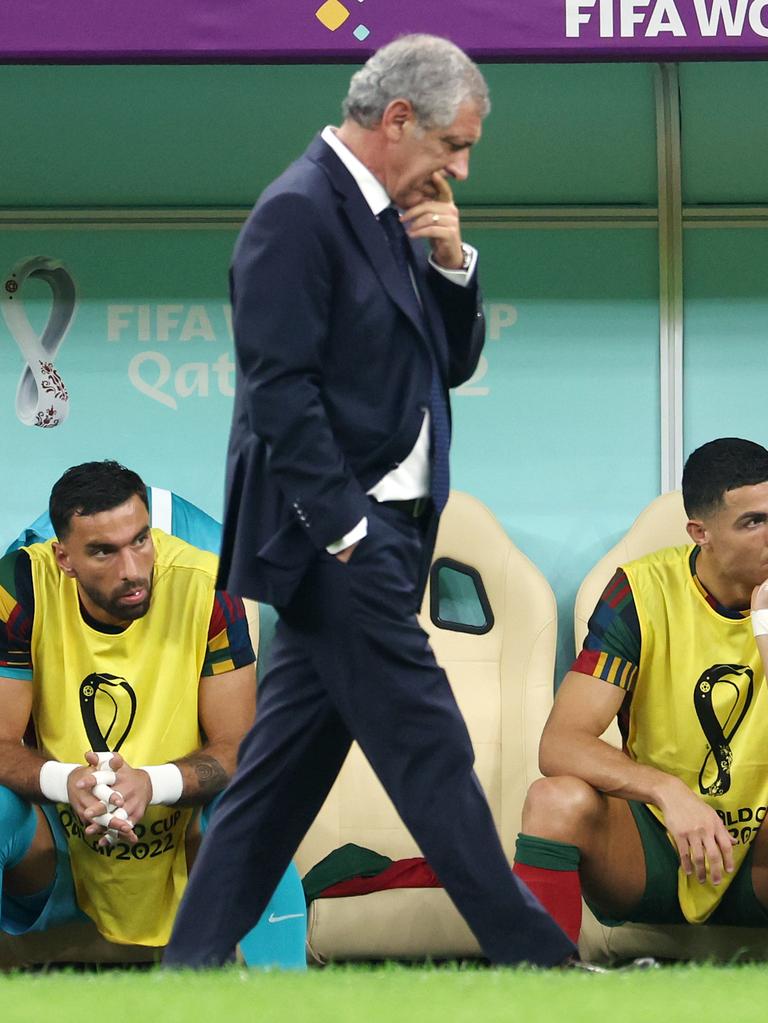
349,331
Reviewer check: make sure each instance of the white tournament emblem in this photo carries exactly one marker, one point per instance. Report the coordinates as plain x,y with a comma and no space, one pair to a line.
41,397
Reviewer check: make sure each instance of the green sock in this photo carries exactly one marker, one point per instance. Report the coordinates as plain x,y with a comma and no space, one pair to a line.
547,853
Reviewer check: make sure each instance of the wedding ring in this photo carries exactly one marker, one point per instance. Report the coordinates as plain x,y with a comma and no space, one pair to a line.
435,218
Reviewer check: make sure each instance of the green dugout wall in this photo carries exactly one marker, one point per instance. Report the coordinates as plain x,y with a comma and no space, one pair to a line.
620,211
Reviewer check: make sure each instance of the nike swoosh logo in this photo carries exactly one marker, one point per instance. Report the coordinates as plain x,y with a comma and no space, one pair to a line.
272,919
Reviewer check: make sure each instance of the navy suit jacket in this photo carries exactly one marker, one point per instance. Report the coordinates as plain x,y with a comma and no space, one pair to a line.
333,370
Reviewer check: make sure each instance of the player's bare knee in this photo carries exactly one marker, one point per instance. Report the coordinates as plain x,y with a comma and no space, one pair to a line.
562,808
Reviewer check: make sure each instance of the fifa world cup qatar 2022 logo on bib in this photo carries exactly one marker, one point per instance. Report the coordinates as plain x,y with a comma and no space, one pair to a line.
41,397
721,697
108,709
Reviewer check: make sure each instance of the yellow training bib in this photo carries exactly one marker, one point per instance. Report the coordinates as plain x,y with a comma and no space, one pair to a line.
139,690
699,707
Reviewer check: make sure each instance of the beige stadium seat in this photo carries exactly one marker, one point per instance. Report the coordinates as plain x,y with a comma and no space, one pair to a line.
661,524
503,681
81,942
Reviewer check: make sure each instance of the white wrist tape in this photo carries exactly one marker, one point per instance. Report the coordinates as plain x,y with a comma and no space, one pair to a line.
760,621
105,819
105,778
103,788
53,780
104,793
167,784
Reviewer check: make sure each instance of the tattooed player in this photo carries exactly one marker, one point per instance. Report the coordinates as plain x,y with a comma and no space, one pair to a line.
112,637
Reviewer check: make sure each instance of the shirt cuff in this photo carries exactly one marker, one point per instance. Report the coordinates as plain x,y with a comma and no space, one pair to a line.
461,276
353,536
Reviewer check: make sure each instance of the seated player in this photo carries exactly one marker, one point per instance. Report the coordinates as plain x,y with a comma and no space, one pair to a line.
668,829
112,638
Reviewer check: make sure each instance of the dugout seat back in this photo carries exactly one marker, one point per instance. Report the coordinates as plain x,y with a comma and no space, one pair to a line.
492,622
661,524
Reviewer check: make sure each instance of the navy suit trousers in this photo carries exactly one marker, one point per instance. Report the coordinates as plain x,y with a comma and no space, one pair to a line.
349,660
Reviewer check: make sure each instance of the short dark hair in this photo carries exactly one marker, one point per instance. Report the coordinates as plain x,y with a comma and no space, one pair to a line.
91,488
721,465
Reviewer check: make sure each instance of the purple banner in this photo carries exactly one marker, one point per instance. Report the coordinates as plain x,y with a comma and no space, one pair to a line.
205,31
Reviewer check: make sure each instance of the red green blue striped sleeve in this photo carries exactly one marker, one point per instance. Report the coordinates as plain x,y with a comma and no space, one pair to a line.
611,649
229,642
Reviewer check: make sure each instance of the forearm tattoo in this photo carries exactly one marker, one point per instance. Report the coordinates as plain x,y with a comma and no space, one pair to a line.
211,776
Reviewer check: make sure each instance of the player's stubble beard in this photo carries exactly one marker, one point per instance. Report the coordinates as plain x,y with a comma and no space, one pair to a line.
110,603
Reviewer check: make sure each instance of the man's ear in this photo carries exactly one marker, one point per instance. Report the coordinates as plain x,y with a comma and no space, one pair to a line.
698,532
395,117
62,559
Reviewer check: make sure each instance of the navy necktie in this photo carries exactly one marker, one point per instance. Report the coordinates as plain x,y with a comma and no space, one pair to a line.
438,407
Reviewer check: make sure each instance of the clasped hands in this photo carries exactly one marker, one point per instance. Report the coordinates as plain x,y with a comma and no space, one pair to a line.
111,799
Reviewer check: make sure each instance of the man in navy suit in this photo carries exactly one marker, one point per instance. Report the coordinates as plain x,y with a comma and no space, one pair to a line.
356,307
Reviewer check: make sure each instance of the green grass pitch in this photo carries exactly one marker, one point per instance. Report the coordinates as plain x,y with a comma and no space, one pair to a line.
390,994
